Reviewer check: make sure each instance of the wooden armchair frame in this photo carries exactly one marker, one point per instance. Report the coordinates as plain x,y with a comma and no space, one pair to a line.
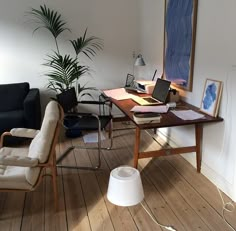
50,163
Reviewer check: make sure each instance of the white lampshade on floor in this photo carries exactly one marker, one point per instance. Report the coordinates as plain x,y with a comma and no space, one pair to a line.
125,186
125,189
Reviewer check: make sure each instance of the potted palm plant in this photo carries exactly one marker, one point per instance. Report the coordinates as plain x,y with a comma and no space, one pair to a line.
65,69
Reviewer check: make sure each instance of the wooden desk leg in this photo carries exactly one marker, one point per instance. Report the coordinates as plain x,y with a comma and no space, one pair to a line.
136,147
198,135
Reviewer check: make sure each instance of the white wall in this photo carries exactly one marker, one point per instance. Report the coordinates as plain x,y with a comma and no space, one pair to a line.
151,37
215,57
22,53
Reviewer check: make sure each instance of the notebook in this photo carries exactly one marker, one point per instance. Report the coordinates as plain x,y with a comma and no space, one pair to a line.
158,96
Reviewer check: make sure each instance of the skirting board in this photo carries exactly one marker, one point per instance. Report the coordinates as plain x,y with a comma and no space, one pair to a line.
206,170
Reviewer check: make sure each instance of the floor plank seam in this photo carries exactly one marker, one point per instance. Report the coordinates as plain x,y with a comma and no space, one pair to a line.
104,195
64,198
163,198
83,193
23,211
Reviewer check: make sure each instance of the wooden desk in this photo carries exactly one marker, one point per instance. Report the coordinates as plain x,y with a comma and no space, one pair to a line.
167,120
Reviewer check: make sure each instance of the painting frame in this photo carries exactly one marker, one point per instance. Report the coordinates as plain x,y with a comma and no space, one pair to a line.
178,63
211,97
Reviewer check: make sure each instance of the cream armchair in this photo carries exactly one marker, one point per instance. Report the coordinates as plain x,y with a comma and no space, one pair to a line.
21,168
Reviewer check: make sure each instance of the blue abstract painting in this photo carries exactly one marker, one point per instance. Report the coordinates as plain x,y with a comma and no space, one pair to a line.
211,97
178,42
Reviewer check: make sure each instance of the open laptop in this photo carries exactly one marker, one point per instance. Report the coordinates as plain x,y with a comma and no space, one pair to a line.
158,96
130,85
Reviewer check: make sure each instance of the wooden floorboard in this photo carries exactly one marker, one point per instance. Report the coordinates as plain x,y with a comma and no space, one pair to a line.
55,221
34,209
174,193
12,205
203,186
202,208
76,211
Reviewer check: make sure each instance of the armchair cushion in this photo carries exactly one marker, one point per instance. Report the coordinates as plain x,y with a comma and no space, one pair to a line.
24,132
12,177
41,144
21,161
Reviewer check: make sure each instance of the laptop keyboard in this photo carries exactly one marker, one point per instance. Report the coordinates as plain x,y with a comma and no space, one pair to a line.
139,100
151,100
143,101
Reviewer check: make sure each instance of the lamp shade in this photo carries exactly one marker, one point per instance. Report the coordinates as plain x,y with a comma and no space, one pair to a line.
139,61
125,186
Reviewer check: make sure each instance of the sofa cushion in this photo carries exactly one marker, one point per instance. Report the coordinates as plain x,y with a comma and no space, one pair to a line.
11,119
13,95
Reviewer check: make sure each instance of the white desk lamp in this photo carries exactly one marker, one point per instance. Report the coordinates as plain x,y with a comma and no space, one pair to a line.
125,189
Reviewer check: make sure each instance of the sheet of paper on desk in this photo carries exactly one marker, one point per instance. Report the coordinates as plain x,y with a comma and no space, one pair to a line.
188,114
158,109
118,94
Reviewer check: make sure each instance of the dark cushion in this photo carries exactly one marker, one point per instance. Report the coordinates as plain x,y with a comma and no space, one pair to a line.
13,95
32,109
12,119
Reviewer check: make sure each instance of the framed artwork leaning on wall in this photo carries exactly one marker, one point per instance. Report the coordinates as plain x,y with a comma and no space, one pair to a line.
211,97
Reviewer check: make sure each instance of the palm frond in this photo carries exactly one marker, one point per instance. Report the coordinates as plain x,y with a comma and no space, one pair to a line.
87,46
65,70
48,19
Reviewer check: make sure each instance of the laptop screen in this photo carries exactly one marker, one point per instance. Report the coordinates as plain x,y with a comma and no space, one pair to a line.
161,90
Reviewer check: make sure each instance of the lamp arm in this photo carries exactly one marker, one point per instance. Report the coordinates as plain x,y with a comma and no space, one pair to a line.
155,220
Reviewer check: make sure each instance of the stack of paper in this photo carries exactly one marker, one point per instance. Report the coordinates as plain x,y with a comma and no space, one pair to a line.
157,109
147,117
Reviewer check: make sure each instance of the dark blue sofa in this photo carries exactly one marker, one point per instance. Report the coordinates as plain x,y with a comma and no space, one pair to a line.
19,108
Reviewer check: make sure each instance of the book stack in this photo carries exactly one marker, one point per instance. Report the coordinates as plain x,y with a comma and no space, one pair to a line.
146,117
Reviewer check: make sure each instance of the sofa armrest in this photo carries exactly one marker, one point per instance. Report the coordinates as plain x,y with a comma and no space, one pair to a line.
24,132
19,132
18,161
32,109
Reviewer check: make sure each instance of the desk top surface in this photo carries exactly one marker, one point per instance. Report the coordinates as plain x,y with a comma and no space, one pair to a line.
168,119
